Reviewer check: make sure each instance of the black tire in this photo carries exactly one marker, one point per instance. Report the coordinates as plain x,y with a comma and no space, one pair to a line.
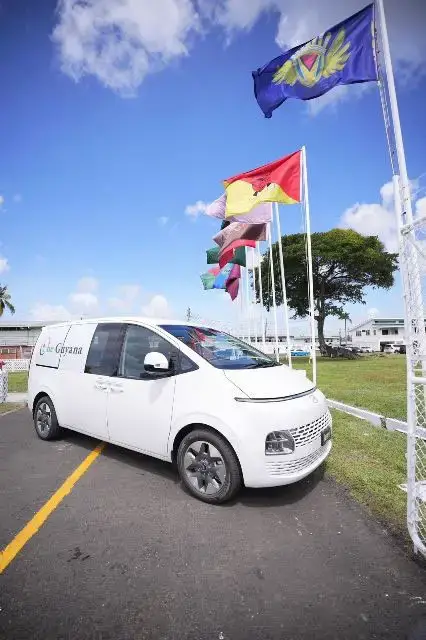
45,420
224,478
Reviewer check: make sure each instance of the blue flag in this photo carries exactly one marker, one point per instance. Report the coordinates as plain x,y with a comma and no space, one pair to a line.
343,55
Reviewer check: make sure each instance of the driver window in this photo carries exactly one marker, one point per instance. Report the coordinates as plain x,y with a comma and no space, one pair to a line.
138,342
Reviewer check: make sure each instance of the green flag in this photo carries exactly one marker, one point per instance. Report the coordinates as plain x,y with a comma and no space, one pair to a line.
239,256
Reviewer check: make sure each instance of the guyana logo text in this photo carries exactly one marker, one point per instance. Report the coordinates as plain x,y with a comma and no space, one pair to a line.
59,348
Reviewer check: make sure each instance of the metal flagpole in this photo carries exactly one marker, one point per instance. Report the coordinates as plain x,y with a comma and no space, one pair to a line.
255,323
283,284
274,302
248,313
262,310
310,274
414,312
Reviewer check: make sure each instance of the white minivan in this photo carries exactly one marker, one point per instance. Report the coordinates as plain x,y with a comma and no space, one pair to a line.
224,412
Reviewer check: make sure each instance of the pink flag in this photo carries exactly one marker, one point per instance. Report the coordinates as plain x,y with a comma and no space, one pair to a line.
232,283
233,289
240,231
261,213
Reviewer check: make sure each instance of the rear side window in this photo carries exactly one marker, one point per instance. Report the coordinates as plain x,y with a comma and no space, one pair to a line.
104,352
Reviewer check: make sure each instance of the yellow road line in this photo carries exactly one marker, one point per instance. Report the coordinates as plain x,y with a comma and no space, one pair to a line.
21,539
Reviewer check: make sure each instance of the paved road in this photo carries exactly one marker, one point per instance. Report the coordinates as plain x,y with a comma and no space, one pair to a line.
129,555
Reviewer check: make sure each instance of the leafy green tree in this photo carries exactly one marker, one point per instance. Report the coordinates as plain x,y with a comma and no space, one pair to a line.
344,263
5,302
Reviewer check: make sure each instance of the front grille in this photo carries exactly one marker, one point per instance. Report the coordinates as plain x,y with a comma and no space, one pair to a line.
306,433
278,468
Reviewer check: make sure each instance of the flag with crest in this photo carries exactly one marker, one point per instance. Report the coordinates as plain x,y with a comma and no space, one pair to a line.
345,54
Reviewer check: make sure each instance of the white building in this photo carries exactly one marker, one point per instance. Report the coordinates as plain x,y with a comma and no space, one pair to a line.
17,339
375,333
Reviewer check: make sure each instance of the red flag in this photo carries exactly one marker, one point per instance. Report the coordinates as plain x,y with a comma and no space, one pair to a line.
278,181
227,253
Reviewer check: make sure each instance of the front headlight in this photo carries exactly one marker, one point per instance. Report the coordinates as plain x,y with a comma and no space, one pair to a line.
279,443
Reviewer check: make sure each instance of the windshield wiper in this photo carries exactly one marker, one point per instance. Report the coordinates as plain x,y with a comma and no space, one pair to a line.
262,365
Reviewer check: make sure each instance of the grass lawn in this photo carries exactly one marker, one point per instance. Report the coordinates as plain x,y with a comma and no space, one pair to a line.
18,382
9,406
377,383
371,463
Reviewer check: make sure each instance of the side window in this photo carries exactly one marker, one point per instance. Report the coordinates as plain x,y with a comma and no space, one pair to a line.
138,342
104,352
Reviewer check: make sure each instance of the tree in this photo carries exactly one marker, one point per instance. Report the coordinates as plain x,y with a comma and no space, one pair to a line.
346,317
5,302
344,263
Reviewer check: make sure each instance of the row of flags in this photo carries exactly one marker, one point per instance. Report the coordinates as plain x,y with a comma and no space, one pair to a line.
245,210
345,54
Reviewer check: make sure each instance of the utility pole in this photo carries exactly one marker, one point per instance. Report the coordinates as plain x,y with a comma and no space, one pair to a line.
188,314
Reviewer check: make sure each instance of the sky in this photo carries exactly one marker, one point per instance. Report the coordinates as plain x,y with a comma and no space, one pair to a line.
120,118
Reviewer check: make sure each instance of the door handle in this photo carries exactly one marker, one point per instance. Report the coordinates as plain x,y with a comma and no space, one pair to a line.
101,387
117,388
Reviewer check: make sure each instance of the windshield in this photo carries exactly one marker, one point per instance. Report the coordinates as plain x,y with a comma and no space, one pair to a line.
220,349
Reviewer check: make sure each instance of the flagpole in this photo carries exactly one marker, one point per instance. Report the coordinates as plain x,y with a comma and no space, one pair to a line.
248,314
262,311
283,283
274,302
255,323
309,251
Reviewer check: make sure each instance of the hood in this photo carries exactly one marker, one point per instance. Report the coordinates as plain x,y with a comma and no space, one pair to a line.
270,382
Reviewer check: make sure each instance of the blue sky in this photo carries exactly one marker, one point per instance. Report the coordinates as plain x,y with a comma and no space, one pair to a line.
102,155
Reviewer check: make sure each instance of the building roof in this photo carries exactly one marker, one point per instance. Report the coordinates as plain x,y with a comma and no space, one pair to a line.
378,321
24,324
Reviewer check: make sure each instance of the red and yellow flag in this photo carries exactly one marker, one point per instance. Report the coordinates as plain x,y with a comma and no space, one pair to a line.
278,181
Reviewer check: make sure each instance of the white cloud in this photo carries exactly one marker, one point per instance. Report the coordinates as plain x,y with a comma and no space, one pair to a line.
121,41
194,210
373,312
163,220
420,207
17,198
157,307
379,219
126,299
88,284
4,265
83,300
1,201
43,311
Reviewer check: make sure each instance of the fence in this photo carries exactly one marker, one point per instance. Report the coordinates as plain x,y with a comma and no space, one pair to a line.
16,365
4,383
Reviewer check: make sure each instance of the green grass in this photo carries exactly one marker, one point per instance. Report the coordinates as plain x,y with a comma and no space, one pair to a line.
18,382
371,463
377,383
9,406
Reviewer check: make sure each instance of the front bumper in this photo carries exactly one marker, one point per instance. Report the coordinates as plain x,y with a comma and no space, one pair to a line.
280,470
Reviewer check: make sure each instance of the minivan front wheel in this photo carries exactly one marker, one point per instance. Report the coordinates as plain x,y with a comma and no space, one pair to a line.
45,420
208,466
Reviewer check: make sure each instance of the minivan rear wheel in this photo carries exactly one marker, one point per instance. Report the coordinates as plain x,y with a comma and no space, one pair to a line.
45,420
208,466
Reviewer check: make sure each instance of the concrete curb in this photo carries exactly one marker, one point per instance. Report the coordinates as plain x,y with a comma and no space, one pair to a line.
391,424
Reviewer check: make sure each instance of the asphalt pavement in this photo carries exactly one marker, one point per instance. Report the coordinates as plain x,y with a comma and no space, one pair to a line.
129,555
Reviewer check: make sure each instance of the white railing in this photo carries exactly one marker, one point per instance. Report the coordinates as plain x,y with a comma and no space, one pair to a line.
3,385
16,365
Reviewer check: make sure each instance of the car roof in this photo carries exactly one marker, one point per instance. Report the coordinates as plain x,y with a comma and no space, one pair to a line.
150,322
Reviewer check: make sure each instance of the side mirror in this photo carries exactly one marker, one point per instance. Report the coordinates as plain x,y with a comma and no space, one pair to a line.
156,363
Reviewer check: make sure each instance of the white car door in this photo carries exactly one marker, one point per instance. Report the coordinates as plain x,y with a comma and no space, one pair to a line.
85,378
140,404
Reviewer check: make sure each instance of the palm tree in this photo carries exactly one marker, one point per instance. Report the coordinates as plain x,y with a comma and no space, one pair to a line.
5,302
345,316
